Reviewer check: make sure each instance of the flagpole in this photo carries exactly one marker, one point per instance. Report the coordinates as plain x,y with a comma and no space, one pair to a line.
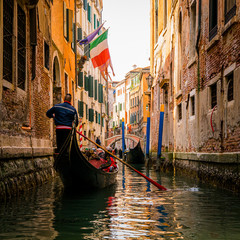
96,38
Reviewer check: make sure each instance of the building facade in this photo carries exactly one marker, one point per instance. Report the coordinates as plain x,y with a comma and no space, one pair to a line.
195,64
25,76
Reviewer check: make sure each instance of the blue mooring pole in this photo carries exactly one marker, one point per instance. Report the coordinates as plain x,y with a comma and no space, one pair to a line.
160,131
123,138
148,135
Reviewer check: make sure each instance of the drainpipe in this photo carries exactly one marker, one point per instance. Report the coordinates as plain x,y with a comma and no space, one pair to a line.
198,69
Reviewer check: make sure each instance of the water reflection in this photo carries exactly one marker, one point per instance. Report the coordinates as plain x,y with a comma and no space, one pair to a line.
131,209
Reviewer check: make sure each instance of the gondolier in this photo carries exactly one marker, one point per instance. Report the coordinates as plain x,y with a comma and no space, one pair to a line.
64,115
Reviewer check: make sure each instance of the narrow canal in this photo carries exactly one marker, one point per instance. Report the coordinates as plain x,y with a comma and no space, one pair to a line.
132,209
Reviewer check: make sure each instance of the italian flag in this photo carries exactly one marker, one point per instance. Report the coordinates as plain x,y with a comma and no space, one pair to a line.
100,55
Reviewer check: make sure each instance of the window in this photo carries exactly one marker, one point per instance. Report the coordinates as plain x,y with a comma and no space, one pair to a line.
213,89
192,105
7,39
179,82
213,18
179,110
80,79
193,28
67,23
66,83
46,55
156,21
165,13
80,108
95,89
230,87
21,52
230,9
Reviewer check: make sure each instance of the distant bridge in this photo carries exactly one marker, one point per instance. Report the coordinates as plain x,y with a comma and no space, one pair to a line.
116,138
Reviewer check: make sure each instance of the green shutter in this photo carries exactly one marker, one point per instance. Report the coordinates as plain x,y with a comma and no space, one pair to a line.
95,25
102,122
102,93
95,89
86,82
86,111
91,115
73,31
85,4
80,79
79,34
90,92
99,84
99,118
89,13
80,108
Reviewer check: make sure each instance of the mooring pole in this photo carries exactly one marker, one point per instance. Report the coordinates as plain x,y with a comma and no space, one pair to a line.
160,132
123,138
148,135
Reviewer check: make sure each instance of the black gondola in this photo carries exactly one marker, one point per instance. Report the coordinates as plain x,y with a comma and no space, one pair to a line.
76,171
135,155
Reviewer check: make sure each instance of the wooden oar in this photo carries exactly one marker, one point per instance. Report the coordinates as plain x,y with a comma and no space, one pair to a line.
147,178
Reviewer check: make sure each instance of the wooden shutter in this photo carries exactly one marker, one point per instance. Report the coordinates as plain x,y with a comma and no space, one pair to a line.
95,89
80,108
70,25
89,13
86,111
79,34
85,5
80,79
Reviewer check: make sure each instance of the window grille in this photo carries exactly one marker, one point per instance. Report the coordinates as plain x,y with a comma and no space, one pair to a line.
213,95
7,39
230,87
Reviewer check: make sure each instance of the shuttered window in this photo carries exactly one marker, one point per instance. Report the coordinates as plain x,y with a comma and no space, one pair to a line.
90,86
91,115
85,5
100,93
99,118
95,89
102,122
86,111
79,34
80,109
80,79
86,80
89,13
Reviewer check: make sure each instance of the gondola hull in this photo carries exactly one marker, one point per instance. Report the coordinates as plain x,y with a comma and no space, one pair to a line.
136,155
75,170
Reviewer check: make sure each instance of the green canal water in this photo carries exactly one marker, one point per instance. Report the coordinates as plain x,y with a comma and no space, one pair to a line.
131,209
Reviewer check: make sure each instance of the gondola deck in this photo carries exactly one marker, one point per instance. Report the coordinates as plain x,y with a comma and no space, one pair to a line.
77,172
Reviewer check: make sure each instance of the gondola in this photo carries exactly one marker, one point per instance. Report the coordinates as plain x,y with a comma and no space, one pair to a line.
77,172
135,155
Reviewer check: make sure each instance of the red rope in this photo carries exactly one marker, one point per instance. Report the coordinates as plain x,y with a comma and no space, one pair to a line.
211,118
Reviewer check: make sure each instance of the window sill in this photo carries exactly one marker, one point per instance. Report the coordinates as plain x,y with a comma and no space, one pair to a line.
8,85
178,94
229,24
213,42
192,61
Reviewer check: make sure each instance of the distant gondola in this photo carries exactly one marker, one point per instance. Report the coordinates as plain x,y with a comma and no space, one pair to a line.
135,155
77,172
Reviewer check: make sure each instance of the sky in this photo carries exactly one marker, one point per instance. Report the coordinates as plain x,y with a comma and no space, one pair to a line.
128,35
